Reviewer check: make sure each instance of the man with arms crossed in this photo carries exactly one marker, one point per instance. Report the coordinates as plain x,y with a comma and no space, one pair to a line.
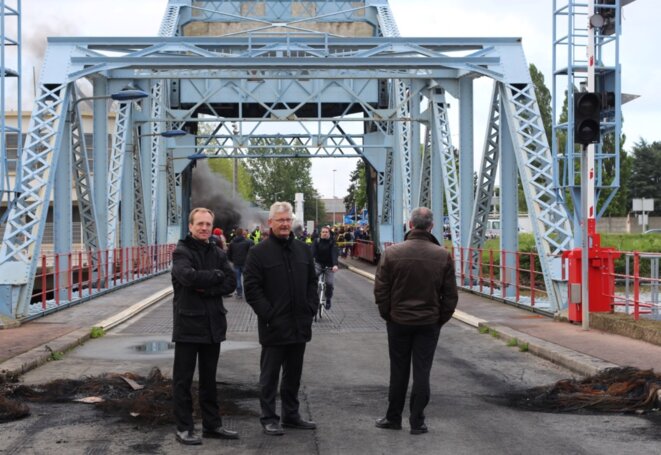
201,275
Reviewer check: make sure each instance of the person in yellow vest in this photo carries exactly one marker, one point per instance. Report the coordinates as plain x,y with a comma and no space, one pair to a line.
256,235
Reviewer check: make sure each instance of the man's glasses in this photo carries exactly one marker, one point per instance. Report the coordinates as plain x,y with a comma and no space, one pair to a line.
283,220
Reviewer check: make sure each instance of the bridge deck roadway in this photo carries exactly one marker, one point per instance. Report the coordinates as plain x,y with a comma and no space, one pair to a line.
584,352
344,384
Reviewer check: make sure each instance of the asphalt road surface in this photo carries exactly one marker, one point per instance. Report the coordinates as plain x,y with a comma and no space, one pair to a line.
344,390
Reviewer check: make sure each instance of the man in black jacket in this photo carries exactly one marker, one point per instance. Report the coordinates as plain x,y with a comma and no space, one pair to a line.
324,253
280,286
237,253
201,275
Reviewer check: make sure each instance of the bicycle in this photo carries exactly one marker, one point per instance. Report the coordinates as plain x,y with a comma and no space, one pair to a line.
321,293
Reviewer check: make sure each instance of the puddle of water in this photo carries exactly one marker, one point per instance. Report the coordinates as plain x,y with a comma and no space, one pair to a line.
151,347
155,347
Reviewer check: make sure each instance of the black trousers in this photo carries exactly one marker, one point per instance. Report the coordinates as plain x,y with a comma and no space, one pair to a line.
185,358
410,344
289,358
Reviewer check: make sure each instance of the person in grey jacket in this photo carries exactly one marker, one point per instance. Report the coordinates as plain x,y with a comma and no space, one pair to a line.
201,275
416,293
281,286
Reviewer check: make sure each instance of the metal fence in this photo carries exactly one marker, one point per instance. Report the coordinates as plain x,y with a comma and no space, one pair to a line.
67,279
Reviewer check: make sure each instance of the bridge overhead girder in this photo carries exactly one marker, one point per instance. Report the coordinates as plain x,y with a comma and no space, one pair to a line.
362,96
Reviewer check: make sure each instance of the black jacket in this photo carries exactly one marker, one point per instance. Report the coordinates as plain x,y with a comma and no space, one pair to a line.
201,276
280,286
238,250
324,252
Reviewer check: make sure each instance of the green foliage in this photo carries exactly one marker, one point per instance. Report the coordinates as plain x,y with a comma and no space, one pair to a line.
279,179
357,191
483,329
646,171
56,355
225,167
97,332
523,347
543,100
512,342
494,333
620,204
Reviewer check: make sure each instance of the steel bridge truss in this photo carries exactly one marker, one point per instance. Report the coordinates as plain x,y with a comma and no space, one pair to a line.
321,86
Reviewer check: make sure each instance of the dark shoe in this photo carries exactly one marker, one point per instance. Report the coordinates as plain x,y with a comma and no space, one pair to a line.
219,433
300,424
328,304
420,429
189,438
273,429
386,424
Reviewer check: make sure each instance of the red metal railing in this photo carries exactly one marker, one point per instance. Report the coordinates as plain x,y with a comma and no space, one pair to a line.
65,278
364,249
510,275
516,276
637,291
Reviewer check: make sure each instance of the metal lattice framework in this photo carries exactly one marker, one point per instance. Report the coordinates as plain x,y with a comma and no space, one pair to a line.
279,73
118,153
25,223
82,178
442,146
486,180
570,74
552,229
11,72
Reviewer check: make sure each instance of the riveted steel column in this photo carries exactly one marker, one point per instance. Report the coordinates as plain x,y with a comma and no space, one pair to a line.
466,149
62,213
100,160
509,235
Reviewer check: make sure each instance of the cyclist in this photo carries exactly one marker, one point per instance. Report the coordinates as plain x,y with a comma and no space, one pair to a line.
324,252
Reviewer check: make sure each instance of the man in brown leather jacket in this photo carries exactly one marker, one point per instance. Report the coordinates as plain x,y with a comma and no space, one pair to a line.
416,292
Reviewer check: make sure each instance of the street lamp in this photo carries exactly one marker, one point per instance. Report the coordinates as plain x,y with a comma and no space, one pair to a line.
167,133
334,207
121,96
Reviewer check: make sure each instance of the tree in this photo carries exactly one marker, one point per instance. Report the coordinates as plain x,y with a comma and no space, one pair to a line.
280,178
543,100
357,191
543,96
646,170
225,166
621,202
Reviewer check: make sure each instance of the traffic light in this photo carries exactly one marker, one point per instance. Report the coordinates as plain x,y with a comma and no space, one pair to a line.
587,116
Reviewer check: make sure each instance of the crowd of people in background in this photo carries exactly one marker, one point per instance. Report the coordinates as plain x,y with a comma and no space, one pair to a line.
343,235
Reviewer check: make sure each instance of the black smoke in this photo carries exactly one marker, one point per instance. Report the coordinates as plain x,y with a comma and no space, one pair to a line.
212,191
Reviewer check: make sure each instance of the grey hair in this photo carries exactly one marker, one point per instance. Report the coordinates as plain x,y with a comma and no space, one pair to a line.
422,218
280,207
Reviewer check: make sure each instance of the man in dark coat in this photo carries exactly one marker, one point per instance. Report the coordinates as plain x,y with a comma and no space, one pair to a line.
237,253
416,292
324,253
280,286
201,275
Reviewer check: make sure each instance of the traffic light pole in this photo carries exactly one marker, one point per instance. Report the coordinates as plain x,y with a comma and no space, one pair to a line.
587,186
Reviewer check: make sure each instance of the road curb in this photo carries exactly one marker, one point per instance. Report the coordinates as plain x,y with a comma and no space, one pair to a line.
22,363
575,361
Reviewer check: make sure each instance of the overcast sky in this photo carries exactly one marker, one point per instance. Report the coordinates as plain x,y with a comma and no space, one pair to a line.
530,19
